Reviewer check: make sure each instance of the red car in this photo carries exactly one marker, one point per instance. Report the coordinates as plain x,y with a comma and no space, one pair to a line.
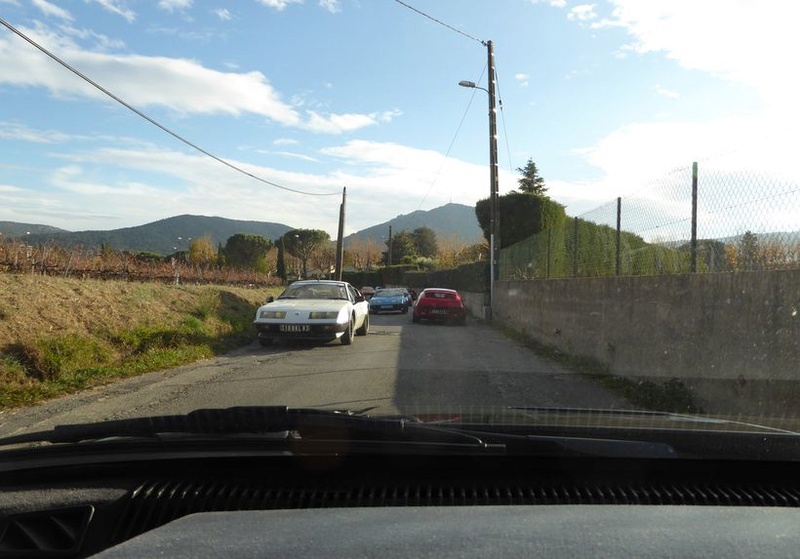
440,304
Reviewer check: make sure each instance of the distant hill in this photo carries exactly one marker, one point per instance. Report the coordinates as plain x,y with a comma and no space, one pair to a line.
781,237
164,236
786,238
169,235
450,220
13,229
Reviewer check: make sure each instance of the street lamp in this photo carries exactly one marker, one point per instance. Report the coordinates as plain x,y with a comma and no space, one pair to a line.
494,231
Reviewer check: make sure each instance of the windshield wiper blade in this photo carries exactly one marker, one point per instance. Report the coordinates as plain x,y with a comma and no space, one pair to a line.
306,423
278,424
566,446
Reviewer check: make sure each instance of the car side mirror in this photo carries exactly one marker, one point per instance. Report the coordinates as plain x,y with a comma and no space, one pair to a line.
270,299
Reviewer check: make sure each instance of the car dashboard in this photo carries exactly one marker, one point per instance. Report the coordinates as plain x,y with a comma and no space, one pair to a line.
244,504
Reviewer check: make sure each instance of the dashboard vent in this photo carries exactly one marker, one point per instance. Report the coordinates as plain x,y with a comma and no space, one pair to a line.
50,533
155,503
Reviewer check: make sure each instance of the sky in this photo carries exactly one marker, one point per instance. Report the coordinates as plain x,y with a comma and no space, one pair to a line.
266,109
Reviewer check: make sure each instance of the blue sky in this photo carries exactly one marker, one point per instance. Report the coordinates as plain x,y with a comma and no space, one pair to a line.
316,95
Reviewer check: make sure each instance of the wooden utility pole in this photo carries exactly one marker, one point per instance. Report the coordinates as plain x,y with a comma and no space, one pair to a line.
340,239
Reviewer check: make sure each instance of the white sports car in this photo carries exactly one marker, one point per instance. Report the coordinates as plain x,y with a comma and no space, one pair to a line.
314,310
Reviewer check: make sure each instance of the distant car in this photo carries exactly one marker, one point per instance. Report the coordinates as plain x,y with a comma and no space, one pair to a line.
390,300
441,305
314,310
367,292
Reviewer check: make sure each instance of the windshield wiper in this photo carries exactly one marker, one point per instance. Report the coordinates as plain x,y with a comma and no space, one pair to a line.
280,425
271,421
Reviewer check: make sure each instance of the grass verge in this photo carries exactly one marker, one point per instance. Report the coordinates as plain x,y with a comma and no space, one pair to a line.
74,335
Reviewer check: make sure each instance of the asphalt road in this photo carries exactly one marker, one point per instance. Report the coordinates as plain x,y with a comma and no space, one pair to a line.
399,367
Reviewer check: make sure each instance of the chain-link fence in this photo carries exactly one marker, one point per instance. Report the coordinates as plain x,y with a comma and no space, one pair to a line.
692,220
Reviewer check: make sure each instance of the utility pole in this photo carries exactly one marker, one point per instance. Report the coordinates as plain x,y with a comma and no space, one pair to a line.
389,259
340,239
494,186
494,223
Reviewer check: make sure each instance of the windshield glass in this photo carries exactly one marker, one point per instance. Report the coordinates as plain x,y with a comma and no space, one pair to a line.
193,207
314,291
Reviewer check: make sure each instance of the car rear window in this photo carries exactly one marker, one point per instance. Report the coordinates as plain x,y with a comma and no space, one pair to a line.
440,295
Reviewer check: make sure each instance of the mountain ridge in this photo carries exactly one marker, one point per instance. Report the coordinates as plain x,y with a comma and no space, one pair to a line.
172,234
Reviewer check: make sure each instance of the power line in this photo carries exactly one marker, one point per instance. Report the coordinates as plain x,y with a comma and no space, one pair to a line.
502,113
423,14
452,142
151,120
503,119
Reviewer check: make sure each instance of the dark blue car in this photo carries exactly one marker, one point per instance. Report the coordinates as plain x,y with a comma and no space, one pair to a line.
389,300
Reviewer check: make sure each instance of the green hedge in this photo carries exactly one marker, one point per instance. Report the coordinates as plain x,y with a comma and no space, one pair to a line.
552,254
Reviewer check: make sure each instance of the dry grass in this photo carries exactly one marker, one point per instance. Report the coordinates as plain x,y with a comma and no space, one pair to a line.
60,335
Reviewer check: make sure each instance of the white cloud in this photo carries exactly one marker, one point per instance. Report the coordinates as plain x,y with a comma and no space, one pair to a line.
279,4
390,168
223,14
339,123
753,43
664,92
387,116
293,155
192,183
174,5
285,142
185,183
333,6
101,42
336,124
583,12
50,9
185,86
71,179
14,131
522,79
554,3
748,177
750,155
117,7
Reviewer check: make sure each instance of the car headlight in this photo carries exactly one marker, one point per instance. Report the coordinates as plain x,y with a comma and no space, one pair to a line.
272,314
323,314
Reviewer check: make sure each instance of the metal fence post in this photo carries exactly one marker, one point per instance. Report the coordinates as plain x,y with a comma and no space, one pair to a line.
694,218
575,251
619,238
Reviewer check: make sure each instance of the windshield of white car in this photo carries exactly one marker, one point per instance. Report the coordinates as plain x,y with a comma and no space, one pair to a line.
314,292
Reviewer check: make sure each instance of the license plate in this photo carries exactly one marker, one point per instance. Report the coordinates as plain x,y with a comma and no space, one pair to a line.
295,328
386,307
438,311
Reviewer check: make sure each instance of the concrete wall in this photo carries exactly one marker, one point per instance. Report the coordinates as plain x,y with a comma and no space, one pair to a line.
475,303
734,339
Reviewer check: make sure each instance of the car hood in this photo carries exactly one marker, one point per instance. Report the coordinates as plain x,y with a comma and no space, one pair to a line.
306,304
